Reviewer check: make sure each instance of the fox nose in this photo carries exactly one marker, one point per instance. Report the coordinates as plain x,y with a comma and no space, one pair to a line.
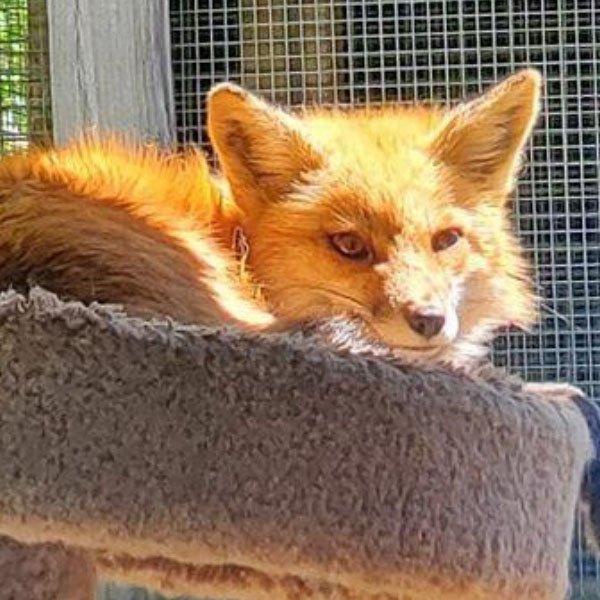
427,321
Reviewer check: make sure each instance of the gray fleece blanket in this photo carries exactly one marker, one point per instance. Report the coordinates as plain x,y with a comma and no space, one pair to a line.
222,464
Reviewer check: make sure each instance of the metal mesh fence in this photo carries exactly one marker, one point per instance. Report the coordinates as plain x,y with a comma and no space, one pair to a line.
369,51
24,80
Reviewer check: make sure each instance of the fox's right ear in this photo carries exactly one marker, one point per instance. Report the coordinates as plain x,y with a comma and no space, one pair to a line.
262,150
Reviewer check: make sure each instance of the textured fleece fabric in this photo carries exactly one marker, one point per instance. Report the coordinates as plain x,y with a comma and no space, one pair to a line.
216,463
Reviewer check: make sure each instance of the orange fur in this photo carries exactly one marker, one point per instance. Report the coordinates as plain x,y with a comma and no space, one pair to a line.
103,221
99,220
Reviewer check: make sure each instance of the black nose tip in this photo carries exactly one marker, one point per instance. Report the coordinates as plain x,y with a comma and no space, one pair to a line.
426,321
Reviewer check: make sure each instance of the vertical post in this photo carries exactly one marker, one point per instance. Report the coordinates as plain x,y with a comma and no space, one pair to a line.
110,68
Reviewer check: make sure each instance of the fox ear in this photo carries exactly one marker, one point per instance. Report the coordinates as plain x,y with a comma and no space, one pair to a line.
484,138
261,149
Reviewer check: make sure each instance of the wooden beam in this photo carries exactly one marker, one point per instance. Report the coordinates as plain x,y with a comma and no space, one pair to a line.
110,68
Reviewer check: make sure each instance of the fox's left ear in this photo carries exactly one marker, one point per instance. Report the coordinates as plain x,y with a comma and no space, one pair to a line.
263,151
484,138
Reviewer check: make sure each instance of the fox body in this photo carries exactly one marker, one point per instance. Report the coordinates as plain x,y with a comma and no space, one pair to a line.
395,216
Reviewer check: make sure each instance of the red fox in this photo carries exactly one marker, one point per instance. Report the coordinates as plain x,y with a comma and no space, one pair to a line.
396,216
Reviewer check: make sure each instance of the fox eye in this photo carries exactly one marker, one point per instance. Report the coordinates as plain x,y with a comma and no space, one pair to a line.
445,238
351,246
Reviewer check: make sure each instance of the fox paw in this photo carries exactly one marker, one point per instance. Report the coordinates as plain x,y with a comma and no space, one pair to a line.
554,391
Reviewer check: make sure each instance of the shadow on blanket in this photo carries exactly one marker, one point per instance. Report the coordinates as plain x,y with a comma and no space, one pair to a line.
216,463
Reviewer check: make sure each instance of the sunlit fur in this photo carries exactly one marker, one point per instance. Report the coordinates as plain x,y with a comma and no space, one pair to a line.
102,221
110,222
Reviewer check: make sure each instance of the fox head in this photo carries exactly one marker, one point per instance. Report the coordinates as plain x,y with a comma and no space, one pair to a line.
396,215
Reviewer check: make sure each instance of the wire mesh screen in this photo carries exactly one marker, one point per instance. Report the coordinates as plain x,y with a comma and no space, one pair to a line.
24,81
369,51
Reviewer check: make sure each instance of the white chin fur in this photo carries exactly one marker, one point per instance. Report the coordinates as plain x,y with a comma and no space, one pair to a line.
462,353
451,326
468,349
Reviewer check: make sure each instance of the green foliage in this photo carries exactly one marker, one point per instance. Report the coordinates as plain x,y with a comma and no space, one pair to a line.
13,73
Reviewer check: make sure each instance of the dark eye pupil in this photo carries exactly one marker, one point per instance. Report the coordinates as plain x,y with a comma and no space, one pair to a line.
350,245
445,239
